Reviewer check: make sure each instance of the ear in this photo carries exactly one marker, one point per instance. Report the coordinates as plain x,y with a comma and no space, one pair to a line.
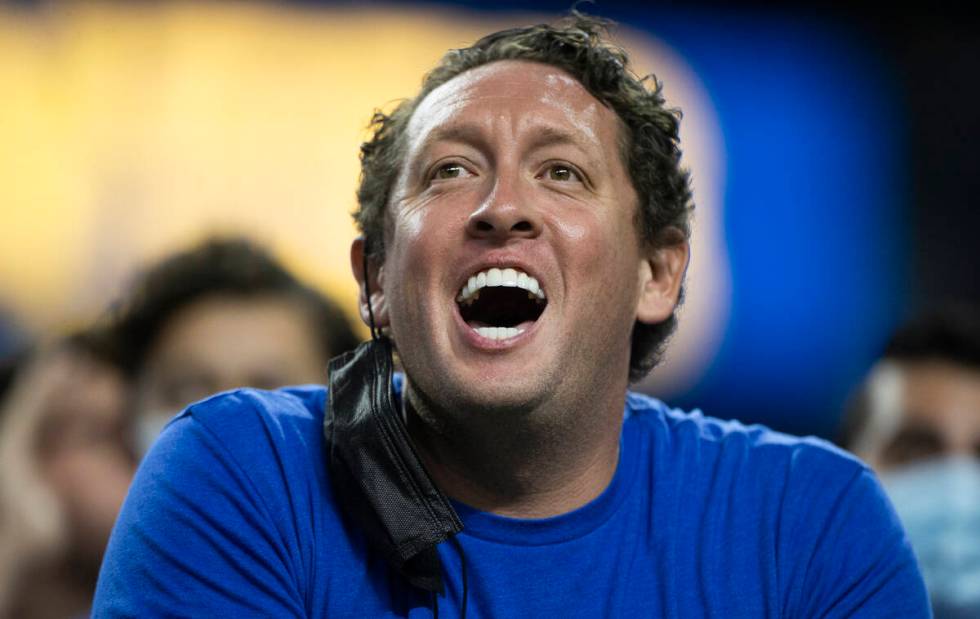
375,285
661,275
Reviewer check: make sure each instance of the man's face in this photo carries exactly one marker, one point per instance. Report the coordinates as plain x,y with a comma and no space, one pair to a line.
514,270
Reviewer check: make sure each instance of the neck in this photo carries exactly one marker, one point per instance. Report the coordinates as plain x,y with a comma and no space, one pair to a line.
534,464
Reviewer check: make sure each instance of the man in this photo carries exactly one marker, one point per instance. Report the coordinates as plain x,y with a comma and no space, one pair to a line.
220,315
525,228
916,420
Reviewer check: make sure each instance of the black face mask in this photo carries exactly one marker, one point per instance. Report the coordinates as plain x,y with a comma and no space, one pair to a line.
380,483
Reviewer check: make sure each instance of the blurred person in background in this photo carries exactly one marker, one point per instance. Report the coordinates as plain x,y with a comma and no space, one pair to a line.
221,315
916,421
65,467
76,419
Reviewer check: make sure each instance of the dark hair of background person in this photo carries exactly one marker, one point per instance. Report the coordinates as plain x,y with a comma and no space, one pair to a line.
9,366
15,349
650,143
949,334
233,267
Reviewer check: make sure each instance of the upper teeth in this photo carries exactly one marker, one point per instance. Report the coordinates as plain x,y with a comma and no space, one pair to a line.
499,277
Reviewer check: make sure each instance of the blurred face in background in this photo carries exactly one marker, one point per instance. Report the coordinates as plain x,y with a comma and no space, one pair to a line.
82,449
932,411
924,442
65,467
225,342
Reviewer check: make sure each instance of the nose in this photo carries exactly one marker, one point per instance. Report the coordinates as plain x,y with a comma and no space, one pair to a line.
505,214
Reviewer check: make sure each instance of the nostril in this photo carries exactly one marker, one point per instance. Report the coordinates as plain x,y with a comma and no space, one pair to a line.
484,226
522,226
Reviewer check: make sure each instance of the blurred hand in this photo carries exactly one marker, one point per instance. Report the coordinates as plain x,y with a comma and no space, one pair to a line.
63,473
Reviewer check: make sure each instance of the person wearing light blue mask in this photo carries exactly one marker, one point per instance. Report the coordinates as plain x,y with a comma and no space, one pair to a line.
916,421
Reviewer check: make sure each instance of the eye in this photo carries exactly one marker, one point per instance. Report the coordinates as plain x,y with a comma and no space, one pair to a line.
448,171
911,444
562,173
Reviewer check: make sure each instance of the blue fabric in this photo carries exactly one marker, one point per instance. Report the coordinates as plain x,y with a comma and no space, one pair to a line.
231,514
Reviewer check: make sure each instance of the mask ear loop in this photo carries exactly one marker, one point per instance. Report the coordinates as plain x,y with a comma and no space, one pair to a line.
375,332
375,336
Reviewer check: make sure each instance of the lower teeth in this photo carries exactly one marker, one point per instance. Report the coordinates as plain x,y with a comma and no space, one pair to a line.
498,333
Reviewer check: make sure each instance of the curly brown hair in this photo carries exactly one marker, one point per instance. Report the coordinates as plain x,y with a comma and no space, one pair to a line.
649,145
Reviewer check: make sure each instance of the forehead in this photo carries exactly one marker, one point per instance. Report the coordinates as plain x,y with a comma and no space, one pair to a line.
942,395
514,96
231,330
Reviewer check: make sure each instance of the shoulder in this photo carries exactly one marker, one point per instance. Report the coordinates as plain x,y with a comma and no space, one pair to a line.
251,425
817,511
234,489
244,410
264,444
694,435
755,475
271,440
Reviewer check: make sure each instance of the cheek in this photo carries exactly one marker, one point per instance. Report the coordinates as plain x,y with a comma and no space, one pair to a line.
413,269
408,229
574,230
596,244
414,243
424,241
91,481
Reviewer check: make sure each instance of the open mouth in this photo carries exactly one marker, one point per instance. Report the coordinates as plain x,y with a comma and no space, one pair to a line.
501,303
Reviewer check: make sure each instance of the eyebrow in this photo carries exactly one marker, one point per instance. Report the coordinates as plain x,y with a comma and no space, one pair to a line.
473,134
465,133
547,136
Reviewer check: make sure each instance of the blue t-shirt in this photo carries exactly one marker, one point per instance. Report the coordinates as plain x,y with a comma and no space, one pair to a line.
232,515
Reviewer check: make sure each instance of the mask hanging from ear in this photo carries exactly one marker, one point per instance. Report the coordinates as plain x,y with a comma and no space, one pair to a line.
379,480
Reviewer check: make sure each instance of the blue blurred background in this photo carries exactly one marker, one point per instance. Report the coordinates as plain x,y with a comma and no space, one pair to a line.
846,173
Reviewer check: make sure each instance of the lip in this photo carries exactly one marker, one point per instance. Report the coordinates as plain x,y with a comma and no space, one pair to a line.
499,261
475,340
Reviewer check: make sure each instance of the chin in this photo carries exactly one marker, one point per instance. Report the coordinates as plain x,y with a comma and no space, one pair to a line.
463,394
